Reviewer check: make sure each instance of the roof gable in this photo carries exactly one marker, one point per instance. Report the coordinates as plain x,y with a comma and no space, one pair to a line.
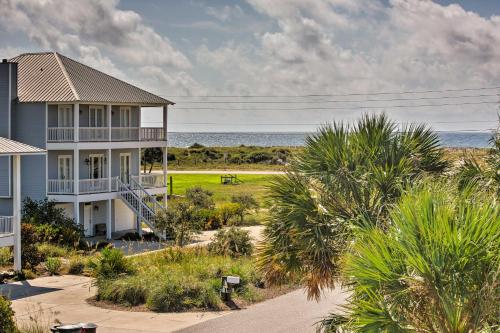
11,147
52,77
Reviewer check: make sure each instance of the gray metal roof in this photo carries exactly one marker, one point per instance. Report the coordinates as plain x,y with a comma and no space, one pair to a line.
52,77
11,147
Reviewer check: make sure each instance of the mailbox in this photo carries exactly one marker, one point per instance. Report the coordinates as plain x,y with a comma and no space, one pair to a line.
228,283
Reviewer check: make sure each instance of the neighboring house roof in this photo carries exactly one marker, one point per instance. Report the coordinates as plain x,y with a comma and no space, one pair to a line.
11,147
52,77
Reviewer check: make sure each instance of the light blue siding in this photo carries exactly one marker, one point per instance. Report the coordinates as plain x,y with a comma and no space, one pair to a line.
5,207
29,126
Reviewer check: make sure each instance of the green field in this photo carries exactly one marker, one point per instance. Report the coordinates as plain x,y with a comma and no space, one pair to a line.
253,184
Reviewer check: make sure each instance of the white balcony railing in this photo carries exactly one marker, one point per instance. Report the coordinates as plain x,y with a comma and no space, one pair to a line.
152,134
60,134
149,180
60,186
125,133
6,226
97,185
93,134
67,134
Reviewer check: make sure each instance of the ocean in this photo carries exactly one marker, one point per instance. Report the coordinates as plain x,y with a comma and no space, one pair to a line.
185,139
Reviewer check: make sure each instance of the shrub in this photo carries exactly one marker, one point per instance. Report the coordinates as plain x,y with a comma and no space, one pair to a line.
246,203
5,256
110,264
257,157
53,265
227,212
50,222
180,221
7,324
76,265
434,270
232,242
200,198
130,291
180,294
30,256
196,145
209,219
50,250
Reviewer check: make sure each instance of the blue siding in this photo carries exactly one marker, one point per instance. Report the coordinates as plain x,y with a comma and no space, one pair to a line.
5,207
6,98
29,126
5,173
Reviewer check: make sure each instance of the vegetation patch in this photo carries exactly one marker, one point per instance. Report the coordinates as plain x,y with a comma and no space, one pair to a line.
181,279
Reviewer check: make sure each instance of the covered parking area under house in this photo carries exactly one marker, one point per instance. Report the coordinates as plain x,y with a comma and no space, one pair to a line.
10,226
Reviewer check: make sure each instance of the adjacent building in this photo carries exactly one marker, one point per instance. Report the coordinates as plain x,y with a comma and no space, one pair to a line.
90,125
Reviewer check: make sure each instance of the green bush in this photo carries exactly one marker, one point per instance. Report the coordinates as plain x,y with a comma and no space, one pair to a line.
246,203
30,256
110,264
257,157
51,250
5,256
76,265
227,212
200,198
129,291
209,219
233,242
7,323
53,265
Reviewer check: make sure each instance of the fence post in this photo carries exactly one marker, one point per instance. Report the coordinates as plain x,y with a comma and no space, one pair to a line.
171,184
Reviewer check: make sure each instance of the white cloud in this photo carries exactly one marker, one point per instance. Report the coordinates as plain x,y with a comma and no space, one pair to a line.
225,13
97,33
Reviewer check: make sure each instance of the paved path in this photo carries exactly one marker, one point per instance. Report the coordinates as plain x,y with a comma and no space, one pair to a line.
285,314
63,298
222,172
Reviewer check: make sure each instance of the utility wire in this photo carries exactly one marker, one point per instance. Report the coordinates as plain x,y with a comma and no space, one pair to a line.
337,108
337,101
337,95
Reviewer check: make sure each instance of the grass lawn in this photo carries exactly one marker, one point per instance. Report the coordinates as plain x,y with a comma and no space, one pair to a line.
253,184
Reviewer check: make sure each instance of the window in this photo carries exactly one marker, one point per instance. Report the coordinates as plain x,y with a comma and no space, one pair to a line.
125,168
125,116
97,116
65,167
96,166
65,116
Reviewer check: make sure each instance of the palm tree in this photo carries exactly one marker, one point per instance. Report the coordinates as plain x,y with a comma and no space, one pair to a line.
436,269
488,175
346,178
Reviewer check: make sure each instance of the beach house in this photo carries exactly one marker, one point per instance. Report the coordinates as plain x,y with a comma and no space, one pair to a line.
89,123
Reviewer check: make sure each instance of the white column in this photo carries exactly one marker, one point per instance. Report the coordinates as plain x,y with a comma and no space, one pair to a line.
76,210
140,125
139,163
109,221
165,111
16,198
76,120
76,171
165,165
108,109
108,161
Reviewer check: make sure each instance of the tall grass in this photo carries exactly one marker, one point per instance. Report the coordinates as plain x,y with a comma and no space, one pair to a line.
179,279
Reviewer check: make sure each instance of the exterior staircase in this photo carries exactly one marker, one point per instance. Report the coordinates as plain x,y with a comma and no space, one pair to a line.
143,204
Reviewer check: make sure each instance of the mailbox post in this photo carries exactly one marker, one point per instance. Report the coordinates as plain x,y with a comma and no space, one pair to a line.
228,283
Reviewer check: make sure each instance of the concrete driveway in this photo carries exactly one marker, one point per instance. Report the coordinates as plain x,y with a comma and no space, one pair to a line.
285,314
63,298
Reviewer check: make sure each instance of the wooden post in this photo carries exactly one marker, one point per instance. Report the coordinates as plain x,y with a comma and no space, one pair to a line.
171,184
16,175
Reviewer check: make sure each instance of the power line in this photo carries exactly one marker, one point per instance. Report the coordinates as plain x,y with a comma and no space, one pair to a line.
338,101
345,94
336,108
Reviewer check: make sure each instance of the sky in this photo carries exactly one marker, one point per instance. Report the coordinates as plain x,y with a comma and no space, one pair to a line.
281,65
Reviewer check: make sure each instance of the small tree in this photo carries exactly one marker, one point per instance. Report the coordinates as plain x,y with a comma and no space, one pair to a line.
246,203
151,156
200,198
233,242
180,221
227,212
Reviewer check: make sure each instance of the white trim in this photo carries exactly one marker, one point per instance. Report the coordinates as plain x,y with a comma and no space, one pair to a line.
103,115
101,157
66,76
127,110
59,158
102,145
129,165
